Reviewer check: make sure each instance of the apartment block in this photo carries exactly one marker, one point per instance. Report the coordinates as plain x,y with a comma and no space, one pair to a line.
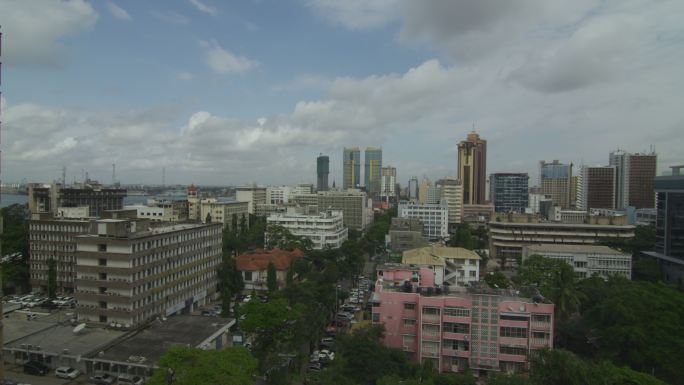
388,182
586,260
128,272
477,329
435,218
325,229
451,190
453,266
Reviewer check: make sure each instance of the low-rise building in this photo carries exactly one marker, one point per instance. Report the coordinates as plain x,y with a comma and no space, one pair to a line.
477,329
435,218
477,215
325,229
454,266
406,234
233,214
254,267
128,272
586,260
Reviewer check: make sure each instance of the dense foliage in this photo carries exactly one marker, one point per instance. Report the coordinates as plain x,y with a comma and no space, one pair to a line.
190,366
15,274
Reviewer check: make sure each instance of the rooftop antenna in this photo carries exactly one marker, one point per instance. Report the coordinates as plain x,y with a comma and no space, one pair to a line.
113,173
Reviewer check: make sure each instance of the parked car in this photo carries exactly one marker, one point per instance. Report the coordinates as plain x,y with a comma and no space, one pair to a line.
328,342
101,379
36,368
128,379
66,372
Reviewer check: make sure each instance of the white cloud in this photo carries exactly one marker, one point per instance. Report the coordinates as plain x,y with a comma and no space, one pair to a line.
223,61
32,30
183,75
118,12
356,14
203,7
170,17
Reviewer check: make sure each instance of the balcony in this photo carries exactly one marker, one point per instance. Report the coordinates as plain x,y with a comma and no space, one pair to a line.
456,353
429,353
540,342
430,336
431,318
545,326
96,296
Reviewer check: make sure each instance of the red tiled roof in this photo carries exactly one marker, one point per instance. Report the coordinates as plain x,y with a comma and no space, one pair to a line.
259,259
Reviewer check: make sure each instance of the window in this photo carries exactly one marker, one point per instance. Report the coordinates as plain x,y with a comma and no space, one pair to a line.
513,317
409,306
541,317
376,317
102,247
513,332
248,275
102,262
456,311
456,345
103,305
430,311
473,273
409,322
453,327
540,335
513,350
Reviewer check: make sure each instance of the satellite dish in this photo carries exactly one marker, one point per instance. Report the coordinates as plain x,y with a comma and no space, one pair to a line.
79,328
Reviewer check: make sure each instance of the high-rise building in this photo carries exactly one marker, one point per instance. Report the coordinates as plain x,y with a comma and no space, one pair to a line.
596,188
322,172
373,165
472,168
357,213
388,181
48,198
253,195
451,191
425,186
555,179
634,174
509,192
193,203
435,218
351,168
413,189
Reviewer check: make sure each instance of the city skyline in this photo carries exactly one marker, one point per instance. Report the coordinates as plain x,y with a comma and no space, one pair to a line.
102,85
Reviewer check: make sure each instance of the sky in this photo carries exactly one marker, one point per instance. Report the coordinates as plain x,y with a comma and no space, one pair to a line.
251,91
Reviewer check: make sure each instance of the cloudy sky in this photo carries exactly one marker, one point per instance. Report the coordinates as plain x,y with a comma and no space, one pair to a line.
220,92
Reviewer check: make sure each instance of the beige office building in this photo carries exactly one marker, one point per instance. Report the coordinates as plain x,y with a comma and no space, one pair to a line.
253,195
451,191
230,214
353,204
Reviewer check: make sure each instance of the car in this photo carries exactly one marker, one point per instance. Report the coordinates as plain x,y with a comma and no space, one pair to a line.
36,368
128,379
66,372
101,379
209,313
326,355
344,316
328,342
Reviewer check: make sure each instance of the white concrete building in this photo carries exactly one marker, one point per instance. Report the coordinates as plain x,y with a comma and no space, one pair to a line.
278,194
451,190
73,212
231,213
435,218
325,229
157,214
534,201
454,266
253,195
587,260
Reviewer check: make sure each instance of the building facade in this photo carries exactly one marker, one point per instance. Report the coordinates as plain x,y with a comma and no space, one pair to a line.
509,192
194,209
451,191
372,170
413,189
586,260
351,168
233,215
596,188
254,267
325,229
353,204
253,195
128,272
555,180
472,168
406,234
48,198
453,266
388,182
635,174
477,329
435,218
322,172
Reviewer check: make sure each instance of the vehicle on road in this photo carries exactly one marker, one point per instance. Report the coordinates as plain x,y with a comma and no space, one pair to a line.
127,379
36,368
101,379
66,372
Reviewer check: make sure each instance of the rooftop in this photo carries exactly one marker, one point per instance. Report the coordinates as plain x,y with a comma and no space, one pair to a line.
259,259
435,255
557,247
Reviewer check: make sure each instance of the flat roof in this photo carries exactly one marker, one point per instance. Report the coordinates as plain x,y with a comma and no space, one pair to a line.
155,339
557,247
435,255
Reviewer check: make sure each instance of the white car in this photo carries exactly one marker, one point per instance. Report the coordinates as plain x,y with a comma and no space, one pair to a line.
66,372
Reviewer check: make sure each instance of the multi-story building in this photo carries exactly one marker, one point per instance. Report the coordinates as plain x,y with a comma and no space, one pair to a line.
534,202
555,179
509,192
53,239
278,195
453,266
351,168
303,188
586,260
435,194
388,181
48,198
322,172
472,168
253,195
669,247
193,203
451,191
435,218
413,189
406,234
325,229
372,170
596,188
477,215
634,179
423,189
254,267
572,216
264,210
509,233
162,210
232,214
305,200
353,204
477,329
128,272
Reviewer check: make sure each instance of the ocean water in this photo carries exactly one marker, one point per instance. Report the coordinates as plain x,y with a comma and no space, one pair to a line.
10,199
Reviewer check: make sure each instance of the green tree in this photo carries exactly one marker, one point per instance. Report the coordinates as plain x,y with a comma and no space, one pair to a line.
15,271
192,366
230,281
271,278
497,280
463,237
52,278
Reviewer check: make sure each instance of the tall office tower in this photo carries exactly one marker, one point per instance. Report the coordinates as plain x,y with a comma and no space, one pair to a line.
596,188
635,174
373,165
472,168
555,179
413,189
351,168
451,191
322,172
388,182
509,192
425,186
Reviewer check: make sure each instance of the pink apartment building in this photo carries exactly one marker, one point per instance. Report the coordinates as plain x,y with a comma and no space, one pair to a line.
478,328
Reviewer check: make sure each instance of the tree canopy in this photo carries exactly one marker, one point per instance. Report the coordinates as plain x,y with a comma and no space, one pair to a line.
192,366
